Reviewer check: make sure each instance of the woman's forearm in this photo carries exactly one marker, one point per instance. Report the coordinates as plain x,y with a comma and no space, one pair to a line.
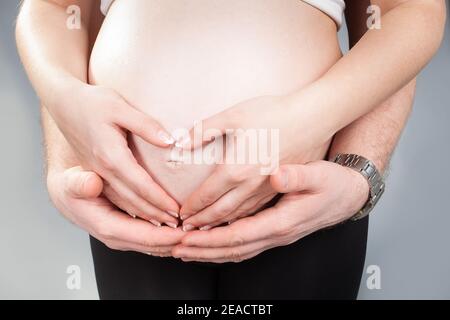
375,135
379,65
55,56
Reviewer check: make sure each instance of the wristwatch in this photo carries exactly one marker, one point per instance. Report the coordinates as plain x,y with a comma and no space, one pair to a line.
369,171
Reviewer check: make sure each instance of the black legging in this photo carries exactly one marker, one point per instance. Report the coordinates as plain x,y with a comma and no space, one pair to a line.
325,265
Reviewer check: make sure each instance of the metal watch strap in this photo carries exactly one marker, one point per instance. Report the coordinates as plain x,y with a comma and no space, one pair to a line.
368,169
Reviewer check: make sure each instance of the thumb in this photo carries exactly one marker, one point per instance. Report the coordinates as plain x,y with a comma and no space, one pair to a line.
144,126
207,130
82,184
294,178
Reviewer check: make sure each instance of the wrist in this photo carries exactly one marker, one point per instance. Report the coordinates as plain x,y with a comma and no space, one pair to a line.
347,147
365,168
360,190
312,110
59,153
62,93
59,163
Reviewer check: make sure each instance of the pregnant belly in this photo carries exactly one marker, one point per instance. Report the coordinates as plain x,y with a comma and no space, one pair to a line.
181,61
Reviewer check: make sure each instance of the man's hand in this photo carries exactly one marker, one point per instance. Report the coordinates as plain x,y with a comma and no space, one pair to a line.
76,194
319,195
237,190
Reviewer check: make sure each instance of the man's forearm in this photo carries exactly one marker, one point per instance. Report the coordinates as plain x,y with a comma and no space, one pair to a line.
375,135
59,154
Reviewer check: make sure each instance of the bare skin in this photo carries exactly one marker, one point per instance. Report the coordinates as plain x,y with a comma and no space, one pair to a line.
94,120
181,77
331,97
106,228
347,91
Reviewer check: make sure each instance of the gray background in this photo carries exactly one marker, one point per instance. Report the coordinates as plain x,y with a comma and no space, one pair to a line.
408,238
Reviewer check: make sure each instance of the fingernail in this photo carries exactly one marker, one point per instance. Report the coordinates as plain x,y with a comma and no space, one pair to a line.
205,228
173,214
172,225
165,137
156,223
188,227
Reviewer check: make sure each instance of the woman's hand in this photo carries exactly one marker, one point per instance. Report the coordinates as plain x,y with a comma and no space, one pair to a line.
75,193
95,121
234,190
230,193
320,194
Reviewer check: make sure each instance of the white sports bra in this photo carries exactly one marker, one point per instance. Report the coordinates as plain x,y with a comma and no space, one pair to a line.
333,8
